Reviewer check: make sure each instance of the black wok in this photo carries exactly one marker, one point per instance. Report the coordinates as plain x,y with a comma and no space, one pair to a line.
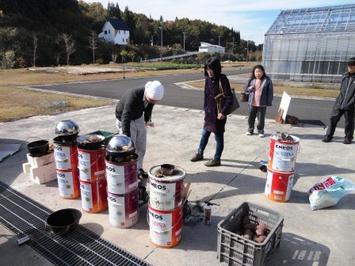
90,141
63,221
38,148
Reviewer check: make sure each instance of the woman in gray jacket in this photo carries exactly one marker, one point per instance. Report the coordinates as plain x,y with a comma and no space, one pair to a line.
260,90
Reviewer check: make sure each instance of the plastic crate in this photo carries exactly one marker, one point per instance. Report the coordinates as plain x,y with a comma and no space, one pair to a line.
234,249
108,135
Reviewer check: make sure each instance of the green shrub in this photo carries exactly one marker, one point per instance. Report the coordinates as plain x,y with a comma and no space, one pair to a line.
8,59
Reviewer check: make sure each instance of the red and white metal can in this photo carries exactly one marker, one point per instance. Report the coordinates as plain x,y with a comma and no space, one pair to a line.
68,183
91,164
165,227
123,209
93,195
121,177
279,185
282,154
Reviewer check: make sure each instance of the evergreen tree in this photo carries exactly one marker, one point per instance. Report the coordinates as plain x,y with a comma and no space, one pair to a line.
50,18
113,10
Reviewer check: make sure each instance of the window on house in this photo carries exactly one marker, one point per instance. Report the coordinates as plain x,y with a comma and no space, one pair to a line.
122,39
105,31
109,31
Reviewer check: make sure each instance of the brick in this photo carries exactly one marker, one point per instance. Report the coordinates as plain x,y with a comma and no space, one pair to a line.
43,174
40,181
26,168
40,161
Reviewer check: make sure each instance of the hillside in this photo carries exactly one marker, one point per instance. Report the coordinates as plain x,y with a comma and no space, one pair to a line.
56,32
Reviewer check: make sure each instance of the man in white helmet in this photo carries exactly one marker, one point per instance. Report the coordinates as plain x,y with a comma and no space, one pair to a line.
133,114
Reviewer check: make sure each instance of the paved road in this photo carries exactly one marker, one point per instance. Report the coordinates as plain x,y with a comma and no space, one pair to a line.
304,109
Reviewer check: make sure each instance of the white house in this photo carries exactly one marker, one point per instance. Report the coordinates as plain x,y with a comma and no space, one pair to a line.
115,31
206,47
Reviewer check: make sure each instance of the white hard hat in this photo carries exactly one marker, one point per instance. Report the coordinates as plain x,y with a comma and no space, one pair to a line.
154,90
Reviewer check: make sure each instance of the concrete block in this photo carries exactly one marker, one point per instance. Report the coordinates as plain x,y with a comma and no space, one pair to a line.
43,174
40,161
26,168
40,181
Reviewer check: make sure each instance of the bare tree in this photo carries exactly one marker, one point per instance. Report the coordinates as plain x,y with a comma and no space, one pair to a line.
35,45
132,55
93,44
114,53
69,45
57,54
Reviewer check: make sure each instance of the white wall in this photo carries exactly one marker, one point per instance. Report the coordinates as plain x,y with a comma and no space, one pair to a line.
108,32
122,37
211,49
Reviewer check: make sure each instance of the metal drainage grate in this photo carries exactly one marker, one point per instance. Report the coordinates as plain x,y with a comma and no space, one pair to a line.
79,247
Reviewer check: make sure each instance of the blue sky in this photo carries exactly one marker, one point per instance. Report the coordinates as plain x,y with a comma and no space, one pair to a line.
252,18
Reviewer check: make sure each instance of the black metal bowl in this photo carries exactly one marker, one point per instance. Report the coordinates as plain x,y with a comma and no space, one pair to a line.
119,158
38,148
63,221
167,169
70,139
90,141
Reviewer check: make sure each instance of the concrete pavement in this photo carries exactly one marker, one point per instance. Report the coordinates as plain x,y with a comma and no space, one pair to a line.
324,237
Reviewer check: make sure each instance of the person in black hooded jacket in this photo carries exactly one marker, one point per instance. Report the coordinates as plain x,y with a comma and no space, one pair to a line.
215,119
344,105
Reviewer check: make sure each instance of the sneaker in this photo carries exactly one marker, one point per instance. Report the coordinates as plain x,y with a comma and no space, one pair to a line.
347,141
211,163
249,133
327,138
261,135
197,157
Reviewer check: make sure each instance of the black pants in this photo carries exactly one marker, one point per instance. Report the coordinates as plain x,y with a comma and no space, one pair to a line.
349,122
257,111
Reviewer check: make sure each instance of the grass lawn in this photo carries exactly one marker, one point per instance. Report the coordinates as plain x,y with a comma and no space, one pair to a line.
16,103
163,65
15,77
279,89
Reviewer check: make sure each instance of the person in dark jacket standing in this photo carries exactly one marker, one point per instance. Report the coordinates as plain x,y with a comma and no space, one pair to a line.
133,113
215,119
344,105
260,90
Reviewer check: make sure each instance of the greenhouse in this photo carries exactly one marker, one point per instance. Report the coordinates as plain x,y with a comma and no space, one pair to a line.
311,44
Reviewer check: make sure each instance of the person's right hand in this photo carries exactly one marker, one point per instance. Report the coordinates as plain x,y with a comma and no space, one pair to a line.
149,124
220,116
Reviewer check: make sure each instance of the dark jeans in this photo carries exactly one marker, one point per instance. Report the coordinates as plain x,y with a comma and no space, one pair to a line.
259,112
219,137
349,122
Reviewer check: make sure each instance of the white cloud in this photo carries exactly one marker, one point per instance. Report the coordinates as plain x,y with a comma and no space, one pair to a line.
236,14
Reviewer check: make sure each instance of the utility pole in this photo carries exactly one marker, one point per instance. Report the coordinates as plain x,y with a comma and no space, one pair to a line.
219,40
161,41
124,70
184,40
161,36
233,45
247,50
123,67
